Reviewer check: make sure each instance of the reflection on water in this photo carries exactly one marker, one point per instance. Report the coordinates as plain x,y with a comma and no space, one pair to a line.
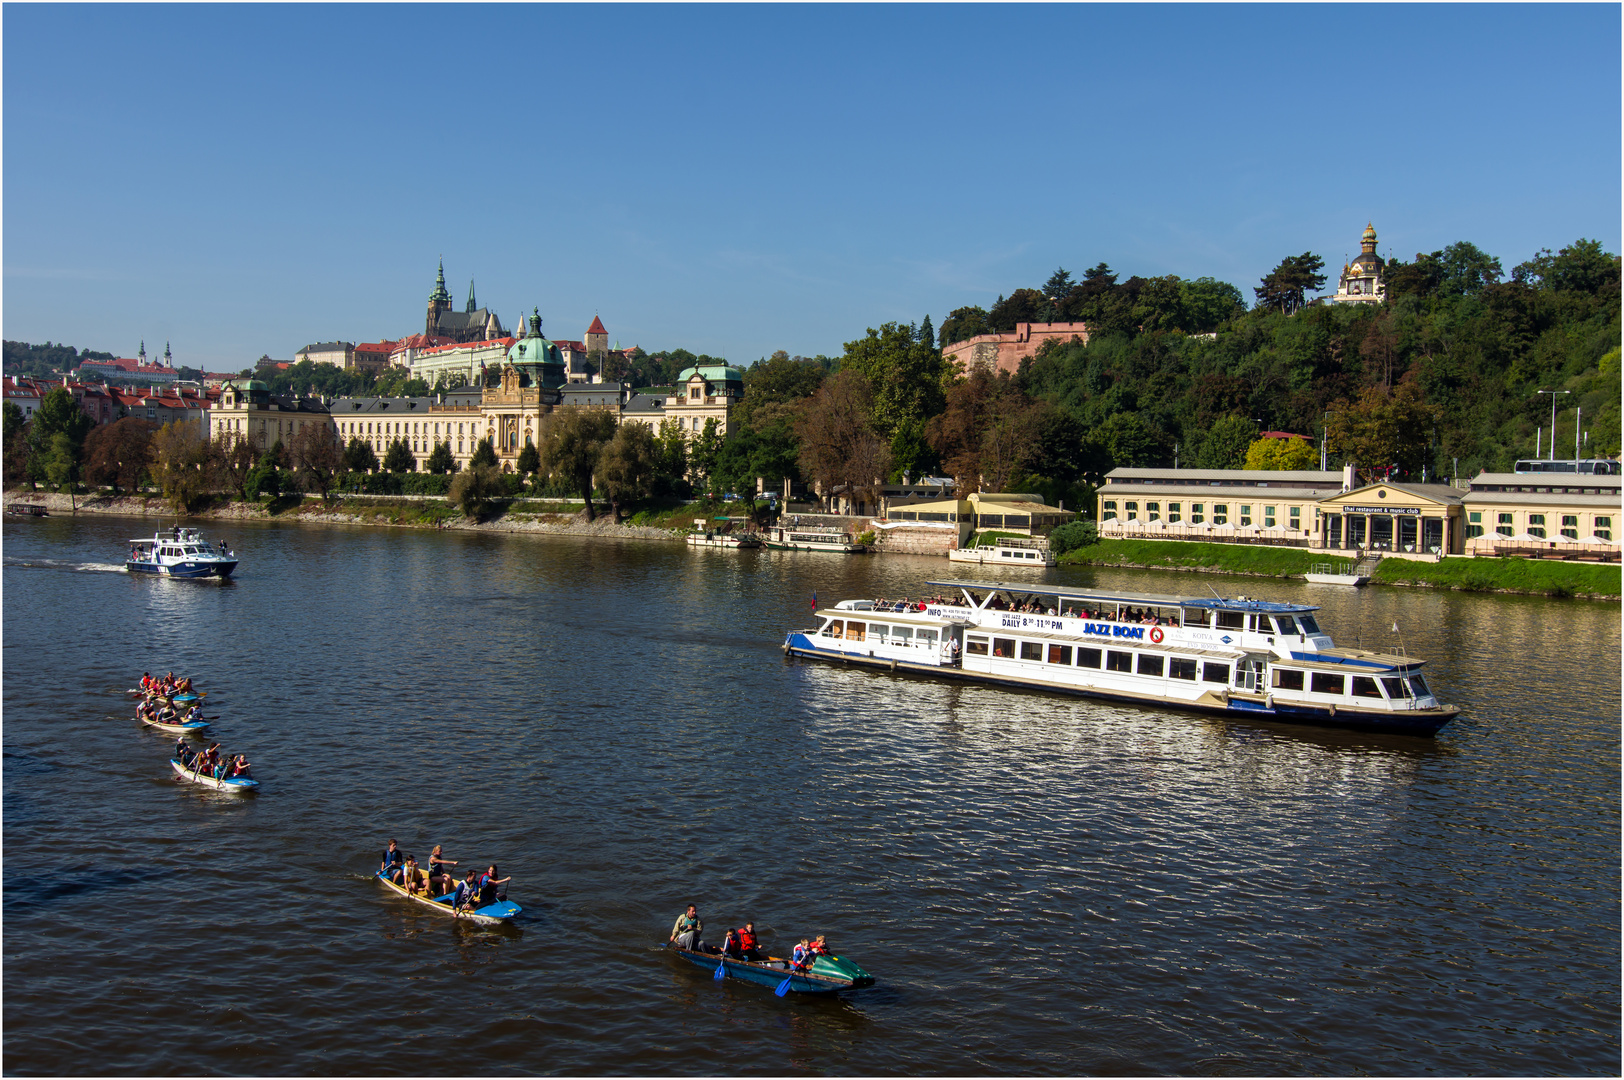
1041,884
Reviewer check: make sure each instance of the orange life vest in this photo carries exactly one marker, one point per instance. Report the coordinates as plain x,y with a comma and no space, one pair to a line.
747,941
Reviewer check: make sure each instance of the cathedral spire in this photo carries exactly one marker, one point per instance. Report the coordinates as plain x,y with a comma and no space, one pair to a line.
142,355
169,361
472,306
439,294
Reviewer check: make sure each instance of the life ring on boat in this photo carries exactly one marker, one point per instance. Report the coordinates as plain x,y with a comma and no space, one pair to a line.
1156,634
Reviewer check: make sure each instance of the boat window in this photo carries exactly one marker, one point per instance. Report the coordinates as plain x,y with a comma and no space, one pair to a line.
1365,686
1088,657
1251,623
1150,664
878,631
1308,624
1324,682
1211,672
902,634
1230,620
1180,667
1396,689
1032,650
1419,685
1003,646
854,631
1060,654
836,628
975,646
1286,679
1285,624
1196,617
926,638
1119,661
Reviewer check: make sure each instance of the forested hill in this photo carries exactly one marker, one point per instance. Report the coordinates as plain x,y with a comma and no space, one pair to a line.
1448,368
41,361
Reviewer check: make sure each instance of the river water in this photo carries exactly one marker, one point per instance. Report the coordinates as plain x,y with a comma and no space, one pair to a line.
1040,884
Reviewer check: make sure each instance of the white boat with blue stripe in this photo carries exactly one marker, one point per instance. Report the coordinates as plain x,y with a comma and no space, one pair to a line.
180,552
1232,656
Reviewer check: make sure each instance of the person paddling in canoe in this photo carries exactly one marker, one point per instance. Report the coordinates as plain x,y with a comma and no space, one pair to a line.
467,895
686,930
488,882
394,860
440,879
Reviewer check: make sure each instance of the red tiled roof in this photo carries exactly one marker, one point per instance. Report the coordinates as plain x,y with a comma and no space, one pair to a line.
506,342
376,346
597,327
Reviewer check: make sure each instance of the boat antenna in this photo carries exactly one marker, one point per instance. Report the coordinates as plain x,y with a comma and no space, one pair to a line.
1401,651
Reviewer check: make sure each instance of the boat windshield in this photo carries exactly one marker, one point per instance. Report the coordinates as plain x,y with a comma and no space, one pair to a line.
1285,624
1419,685
1308,624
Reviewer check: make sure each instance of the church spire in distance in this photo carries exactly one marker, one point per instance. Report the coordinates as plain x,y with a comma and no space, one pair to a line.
472,306
439,294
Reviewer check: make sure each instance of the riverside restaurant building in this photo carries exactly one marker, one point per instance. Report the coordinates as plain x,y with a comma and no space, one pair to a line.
1543,515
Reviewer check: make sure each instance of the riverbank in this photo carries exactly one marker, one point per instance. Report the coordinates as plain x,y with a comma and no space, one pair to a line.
1535,577
517,516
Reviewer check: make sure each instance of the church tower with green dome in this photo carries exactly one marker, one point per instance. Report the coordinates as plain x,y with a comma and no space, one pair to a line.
536,359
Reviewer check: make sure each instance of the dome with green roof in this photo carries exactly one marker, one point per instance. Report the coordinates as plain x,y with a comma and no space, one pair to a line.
535,356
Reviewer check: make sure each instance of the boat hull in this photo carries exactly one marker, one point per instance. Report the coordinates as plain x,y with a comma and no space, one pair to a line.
773,971
499,912
737,542
219,568
1410,722
237,786
195,727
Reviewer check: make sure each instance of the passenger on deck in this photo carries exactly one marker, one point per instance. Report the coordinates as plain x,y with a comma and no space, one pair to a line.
440,879
820,947
409,875
686,930
393,860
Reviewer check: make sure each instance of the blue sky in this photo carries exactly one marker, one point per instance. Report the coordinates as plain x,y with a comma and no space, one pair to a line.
736,179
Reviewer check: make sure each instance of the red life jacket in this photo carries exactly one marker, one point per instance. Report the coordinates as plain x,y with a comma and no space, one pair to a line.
747,940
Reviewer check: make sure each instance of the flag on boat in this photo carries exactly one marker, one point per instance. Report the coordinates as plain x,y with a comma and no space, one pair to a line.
814,599
1395,628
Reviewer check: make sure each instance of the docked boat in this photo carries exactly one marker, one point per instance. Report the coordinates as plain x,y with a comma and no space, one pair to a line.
826,975
181,553
499,912
23,509
186,727
1230,656
239,784
813,538
1006,551
720,538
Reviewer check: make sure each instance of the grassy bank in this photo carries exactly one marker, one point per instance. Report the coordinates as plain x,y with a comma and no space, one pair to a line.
1534,576
1187,555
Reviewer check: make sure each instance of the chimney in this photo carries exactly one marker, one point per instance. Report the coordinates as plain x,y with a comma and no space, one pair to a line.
1348,477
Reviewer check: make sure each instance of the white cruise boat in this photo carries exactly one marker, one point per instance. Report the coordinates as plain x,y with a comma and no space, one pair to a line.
180,552
1237,657
813,538
1006,551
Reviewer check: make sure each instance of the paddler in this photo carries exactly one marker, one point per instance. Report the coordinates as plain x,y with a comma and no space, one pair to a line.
393,860
749,947
686,930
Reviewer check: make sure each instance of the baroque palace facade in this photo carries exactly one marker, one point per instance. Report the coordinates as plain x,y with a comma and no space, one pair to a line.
507,408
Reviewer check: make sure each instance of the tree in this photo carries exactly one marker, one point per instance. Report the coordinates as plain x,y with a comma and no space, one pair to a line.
626,466
529,460
1022,305
671,460
986,432
839,446
398,458
14,419
703,452
571,440
473,489
235,460
1225,444
927,333
1209,304
440,460
1281,454
1581,267
56,437
484,453
1383,428
962,324
179,455
1284,288
905,375
318,456
359,456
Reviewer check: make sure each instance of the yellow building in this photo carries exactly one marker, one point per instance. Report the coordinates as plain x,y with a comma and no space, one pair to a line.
1270,506
1565,514
982,511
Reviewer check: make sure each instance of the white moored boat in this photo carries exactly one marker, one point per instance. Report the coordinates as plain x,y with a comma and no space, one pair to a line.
1237,657
813,538
182,553
720,538
1006,551
237,784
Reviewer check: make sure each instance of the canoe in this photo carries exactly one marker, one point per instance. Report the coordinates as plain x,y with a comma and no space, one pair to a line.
191,727
238,784
499,912
187,699
827,975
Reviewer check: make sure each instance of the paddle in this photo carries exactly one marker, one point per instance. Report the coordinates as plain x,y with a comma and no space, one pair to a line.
783,987
721,971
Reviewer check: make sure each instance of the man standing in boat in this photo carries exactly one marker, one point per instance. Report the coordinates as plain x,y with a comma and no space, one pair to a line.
686,930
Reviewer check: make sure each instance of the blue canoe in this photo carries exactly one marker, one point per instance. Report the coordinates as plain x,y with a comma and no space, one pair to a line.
827,975
499,912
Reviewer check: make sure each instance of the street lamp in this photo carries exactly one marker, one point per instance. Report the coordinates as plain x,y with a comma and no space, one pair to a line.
1553,394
